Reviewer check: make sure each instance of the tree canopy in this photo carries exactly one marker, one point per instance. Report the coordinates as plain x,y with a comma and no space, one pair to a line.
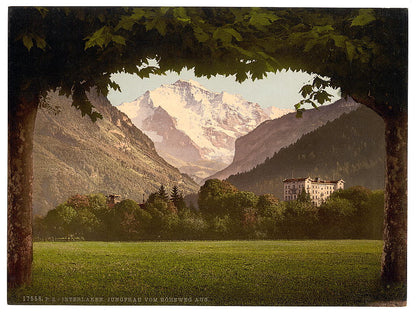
362,51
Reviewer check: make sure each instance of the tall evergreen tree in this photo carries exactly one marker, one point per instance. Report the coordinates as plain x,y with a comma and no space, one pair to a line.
174,195
177,198
163,194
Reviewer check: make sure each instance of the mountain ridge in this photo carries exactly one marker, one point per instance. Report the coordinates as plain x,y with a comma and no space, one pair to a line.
73,155
350,147
266,139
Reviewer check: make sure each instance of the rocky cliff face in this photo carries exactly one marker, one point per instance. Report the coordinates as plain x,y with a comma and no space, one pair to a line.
193,128
73,155
273,135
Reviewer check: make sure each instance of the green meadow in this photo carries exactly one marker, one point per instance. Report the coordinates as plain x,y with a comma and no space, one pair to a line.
330,272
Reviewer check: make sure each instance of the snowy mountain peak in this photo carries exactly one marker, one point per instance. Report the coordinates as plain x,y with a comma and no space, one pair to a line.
198,126
231,98
190,83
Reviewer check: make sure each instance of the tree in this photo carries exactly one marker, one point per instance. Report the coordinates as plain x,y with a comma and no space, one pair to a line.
265,203
130,221
356,194
373,216
85,224
97,204
304,196
222,226
299,220
59,221
212,195
191,225
336,218
163,194
362,51
249,221
236,203
40,229
368,219
177,198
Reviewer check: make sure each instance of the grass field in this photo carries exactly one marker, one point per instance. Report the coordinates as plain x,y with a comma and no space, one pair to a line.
341,272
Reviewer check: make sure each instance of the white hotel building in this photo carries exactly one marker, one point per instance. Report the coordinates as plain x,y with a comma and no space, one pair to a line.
318,189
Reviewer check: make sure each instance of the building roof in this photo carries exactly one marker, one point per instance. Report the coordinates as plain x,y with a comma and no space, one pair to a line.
295,179
316,180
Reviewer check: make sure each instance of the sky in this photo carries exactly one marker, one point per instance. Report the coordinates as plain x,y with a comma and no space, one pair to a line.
279,90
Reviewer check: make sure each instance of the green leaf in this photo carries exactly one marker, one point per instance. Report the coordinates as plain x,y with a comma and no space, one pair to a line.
114,86
238,14
322,96
200,35
259,20
119,39
306,90
103,37
364,17
320,83
323,28
234,33
224,37
127,21
164,10
131,69
145,72
310,44
43,11
150,24
258,69
27,41
97,38
226,34
245,52
350,50
160,25
241,76
81,102
299,112
339,40
40,42
94,116
180,14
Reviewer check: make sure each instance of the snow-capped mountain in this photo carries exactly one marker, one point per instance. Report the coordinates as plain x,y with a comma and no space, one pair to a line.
193,128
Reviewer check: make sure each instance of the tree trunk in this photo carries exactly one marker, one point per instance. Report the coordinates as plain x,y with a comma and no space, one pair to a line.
21,116
394,259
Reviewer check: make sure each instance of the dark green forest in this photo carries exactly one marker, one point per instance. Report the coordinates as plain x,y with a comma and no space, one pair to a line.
224,213
350,147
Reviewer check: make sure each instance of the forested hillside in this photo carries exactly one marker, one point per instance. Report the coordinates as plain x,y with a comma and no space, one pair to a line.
350,147
273,135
